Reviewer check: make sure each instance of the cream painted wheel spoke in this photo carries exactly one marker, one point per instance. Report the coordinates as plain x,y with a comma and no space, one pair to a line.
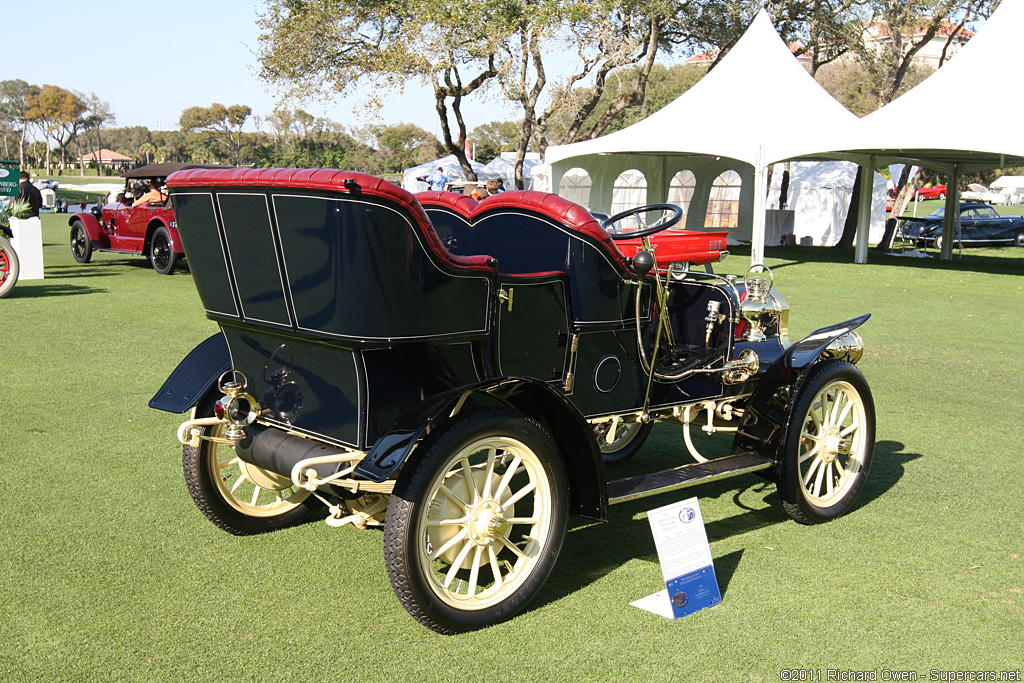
452,497
451,543
492,454
816,463
238,482
853,427
474,572
457,564
512,471
817,481
514,548
492,559
467,473
518,495
814,451
461,521
522,520
229,463
255,495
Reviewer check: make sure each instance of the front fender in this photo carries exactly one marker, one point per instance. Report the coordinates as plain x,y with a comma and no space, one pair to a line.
769,408
97,235
194,376
583,464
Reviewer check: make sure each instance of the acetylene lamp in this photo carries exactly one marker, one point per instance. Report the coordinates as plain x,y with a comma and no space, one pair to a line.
237,407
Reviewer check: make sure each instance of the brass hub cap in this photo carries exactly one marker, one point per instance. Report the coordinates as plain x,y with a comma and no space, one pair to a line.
486,522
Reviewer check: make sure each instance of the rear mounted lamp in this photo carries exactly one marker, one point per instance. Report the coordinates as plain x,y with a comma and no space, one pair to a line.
237,407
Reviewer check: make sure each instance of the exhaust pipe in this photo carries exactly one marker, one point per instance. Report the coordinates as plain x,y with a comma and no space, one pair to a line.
279,452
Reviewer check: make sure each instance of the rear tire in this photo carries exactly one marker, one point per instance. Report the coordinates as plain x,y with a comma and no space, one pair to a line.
629,439
828,448
476,521
161,253
1019,239
9,267
240,498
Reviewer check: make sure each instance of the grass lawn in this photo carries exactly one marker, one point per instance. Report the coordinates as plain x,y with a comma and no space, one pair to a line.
108,572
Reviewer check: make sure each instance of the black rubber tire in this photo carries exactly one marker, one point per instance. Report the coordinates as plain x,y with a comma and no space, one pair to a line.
1019,239
161,253
220,506
11,267
800,504
81,245
627,449
418,494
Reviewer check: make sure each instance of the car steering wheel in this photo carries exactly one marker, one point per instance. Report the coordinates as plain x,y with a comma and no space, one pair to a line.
662,224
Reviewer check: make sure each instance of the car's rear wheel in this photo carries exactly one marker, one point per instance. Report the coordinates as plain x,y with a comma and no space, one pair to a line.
1019,239
238,497
161,253
9,267
476,522
828,448
81,245
942,195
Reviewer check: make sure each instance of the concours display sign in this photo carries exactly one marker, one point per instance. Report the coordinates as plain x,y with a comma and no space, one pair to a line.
9,179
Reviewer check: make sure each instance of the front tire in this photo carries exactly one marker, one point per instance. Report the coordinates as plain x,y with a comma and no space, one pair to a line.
9,267
161,253
81,245
238,497
476,522
828,448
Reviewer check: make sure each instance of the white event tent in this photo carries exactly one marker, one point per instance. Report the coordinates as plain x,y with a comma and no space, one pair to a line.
953,121
758,106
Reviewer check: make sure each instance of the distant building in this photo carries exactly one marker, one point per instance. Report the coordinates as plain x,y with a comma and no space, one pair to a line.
108,157
878,36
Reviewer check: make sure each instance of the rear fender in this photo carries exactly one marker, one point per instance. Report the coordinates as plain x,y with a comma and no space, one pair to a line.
97,235
770,408
195,375
176,244
583,464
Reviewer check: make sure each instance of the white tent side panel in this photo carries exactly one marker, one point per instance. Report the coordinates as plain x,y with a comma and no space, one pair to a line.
820,196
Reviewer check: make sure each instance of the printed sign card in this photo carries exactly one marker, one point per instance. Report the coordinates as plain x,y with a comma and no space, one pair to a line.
686,564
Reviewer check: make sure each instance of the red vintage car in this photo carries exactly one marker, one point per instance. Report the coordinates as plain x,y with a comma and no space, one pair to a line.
148,228
933,192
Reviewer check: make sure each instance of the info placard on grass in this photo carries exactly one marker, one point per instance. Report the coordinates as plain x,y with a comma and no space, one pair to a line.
686,564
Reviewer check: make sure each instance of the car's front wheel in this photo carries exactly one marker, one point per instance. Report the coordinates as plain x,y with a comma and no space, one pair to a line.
240,498
81,246
161,253
9,267
828,448
476,522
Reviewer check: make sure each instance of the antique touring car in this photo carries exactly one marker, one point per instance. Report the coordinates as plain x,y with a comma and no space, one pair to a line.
461,373
148,228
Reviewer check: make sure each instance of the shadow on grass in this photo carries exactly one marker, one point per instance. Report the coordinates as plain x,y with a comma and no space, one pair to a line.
38,291
592,549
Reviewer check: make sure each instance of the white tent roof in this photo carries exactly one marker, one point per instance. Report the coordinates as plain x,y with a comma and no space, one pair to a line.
451,168
1014,181
758,105
504,166
958,114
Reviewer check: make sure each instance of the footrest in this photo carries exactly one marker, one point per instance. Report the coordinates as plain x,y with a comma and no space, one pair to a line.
621,490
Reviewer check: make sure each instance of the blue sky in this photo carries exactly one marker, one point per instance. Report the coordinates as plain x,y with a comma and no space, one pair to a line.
204,52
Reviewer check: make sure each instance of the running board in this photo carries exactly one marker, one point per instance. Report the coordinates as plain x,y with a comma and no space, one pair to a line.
687,475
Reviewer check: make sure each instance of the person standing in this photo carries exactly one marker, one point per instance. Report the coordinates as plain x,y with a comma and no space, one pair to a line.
438,180
30,193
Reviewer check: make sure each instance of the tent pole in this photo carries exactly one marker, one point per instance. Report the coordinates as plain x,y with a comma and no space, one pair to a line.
867,188
760,209
950,221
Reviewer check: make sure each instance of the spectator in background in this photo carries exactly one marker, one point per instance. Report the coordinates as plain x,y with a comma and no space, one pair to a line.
437,180
493,187
30,193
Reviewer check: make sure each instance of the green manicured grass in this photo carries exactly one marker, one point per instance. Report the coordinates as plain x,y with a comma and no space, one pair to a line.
108,572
